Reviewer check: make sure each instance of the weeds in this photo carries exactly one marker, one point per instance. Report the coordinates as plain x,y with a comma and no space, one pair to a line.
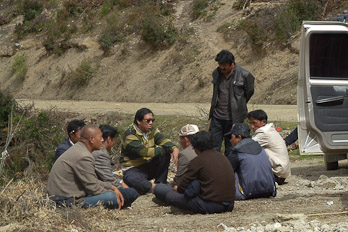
19,67
82,74
198,8
290,18
158,33
7,103
113,32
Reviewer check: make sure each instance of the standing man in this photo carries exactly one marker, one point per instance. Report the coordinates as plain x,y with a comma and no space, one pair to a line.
274,145
103,164
146,153
73,179
74,131
233,88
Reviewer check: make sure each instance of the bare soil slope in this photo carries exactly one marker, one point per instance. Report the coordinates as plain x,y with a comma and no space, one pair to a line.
133,72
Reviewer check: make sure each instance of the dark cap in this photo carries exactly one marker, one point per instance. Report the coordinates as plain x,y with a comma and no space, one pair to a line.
240,129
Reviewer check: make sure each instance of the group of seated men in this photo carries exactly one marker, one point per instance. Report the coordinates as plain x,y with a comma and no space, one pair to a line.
205,182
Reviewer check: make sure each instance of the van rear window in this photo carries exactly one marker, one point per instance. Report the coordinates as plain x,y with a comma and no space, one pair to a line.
329,56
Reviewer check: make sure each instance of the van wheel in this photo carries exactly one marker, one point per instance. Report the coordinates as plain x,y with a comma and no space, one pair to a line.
331,165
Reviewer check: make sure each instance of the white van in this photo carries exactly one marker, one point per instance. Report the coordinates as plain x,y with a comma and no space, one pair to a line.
322,92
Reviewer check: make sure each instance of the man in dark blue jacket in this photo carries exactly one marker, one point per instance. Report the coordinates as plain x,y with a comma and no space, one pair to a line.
74,131
252,169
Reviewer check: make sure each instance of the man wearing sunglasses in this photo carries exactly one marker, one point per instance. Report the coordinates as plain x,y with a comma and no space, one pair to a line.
146,153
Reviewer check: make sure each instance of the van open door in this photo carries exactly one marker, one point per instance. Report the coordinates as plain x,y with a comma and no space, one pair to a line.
322,92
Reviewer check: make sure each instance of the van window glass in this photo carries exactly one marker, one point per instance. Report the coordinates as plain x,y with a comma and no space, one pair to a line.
329,55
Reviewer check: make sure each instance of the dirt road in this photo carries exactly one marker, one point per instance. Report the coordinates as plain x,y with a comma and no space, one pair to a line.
275,112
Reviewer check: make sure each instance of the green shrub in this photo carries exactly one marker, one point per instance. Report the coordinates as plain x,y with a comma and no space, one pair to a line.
7,103
290,18
198,8
82,74
255,33
157,33
30,9
113,32
19,67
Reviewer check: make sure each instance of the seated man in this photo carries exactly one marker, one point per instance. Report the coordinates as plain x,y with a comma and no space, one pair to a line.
73,179
272,142
74,131
185,156
145,153
208,184
103,164
252,170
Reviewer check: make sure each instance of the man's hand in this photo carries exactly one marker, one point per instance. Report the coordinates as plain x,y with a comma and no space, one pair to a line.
124,185
119,196
175,188
175,155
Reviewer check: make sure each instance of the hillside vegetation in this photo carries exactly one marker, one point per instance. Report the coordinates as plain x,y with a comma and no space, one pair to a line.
150,50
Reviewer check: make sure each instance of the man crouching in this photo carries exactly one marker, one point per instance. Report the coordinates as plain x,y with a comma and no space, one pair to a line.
208,184
73,179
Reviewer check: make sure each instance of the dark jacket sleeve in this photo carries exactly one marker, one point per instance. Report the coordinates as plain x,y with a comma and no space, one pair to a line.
234,160
249,87
63,147
190,175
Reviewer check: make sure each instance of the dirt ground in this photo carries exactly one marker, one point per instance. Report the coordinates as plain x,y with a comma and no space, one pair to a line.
312,199
274,112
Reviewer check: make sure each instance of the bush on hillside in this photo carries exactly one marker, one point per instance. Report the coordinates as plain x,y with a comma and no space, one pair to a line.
7,104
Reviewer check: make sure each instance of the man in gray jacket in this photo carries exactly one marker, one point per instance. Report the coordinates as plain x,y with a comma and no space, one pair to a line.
233,88
103,163
73,179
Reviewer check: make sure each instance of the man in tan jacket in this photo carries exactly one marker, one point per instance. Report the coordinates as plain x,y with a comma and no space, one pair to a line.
272,142
73,178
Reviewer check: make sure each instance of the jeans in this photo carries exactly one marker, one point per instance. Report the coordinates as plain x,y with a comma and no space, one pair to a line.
197,204
138,177
109,200
161,190
217,130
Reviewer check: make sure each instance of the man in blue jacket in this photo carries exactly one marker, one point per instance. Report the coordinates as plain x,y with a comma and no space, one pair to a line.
252,169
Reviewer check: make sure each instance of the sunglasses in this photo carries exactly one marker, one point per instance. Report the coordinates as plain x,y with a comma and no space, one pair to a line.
149,120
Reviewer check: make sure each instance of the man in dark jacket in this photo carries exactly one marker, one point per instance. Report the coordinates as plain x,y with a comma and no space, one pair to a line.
252,169
233,88
208,184
74,131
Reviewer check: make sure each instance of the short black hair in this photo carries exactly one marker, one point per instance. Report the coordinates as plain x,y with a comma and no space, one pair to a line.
108,131
225,57
202,141
74,126
139,115
258,114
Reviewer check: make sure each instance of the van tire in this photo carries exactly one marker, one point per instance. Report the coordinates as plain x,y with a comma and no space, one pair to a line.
331,165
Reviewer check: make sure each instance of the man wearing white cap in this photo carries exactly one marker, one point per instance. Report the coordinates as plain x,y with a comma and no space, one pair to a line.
185,156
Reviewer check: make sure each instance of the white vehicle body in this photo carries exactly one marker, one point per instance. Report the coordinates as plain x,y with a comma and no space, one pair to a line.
322,91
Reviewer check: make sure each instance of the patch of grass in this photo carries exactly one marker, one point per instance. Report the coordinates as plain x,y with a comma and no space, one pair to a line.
113,32
7,103
238,5
199,8
19,67
255,33
82,74
290,18
157,33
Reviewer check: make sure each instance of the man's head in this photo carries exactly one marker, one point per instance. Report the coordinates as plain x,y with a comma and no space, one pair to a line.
238,132
74,130
201,141
257,119
225,60
144,119
186,134
109,134
92,137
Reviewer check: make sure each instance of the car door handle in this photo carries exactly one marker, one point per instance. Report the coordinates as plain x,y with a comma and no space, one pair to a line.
338,99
